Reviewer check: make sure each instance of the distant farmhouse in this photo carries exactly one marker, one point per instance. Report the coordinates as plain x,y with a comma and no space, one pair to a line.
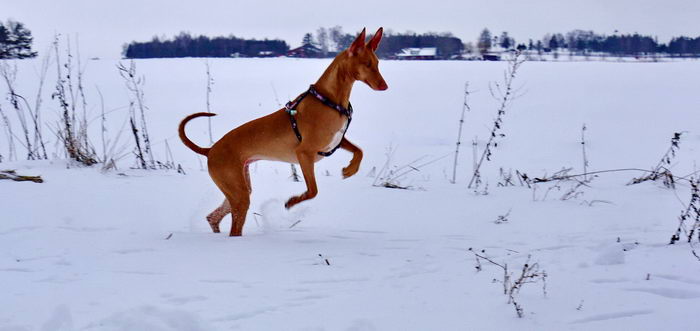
418,53
307,50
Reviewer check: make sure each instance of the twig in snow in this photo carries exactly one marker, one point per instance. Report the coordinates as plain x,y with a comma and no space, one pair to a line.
592,202
567,176
506,179
210,82
503,218
583,150
575,192
324,259
691,213
661,171
505,97
255,217
390,174
12,175
530,273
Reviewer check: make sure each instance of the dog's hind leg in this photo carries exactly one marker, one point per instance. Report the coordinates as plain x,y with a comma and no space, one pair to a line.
214,218
232,181
240,202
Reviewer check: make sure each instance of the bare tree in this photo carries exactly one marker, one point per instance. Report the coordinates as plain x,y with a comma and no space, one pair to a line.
82,133
9,75
322,40
134,84
38,133
10,136
112,149
74,139
484,41
336,36
469,48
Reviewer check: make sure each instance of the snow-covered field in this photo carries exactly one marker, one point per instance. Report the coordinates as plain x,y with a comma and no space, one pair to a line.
130,250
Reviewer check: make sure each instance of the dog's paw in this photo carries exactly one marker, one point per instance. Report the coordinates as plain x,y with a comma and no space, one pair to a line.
213,224
291,202
349,171
299,198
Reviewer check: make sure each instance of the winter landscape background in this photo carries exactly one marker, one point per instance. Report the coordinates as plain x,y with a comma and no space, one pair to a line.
113,247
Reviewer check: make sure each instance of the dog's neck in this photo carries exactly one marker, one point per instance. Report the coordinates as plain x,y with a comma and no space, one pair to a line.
336,82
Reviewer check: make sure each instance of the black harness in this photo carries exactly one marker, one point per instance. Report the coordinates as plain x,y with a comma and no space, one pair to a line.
291,106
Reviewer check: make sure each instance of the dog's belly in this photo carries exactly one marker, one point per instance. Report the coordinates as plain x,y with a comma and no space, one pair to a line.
290,158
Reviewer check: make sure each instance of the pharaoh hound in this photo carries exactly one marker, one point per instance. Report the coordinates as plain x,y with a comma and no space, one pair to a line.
307,129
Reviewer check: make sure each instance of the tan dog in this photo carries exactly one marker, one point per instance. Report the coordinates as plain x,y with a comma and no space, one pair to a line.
272,137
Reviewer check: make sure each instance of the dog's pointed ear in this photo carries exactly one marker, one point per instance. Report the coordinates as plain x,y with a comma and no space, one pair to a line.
358,44
374,42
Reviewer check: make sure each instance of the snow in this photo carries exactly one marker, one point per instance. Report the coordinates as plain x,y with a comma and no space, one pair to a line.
130,249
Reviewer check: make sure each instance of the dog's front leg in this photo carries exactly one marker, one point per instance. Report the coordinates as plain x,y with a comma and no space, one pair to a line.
306,162
354,165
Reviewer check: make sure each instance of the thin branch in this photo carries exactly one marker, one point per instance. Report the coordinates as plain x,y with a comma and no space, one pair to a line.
465,108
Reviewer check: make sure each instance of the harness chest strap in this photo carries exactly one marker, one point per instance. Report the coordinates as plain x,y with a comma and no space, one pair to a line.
291,106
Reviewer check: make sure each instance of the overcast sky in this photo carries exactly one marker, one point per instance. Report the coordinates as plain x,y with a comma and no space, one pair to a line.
104,26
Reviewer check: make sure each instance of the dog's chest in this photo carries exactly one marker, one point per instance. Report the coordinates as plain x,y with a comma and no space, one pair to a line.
337,136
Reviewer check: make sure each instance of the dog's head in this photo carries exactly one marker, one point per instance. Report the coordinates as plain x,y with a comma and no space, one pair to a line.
365,62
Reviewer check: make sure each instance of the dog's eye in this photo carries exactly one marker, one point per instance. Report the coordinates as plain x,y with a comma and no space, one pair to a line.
369,64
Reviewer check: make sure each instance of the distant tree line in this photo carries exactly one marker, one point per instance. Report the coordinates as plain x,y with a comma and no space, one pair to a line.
331,41
186,45
327,42
582,42
15,41
684,45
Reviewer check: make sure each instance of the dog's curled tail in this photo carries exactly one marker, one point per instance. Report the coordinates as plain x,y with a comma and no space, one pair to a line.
187,141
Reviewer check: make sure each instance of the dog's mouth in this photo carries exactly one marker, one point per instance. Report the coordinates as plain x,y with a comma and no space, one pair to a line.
377,87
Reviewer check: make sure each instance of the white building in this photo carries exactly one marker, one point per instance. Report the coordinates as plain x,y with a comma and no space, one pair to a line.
424,53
